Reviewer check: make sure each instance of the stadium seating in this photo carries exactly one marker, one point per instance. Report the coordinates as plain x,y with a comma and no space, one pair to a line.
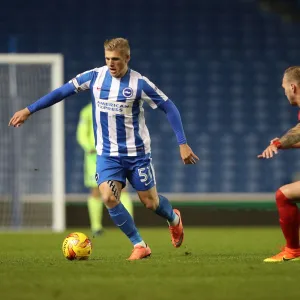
221,62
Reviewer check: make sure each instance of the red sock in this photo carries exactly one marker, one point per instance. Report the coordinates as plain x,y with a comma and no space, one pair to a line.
288,219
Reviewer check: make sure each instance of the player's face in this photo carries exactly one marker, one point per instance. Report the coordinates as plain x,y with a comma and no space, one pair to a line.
117,63
290,91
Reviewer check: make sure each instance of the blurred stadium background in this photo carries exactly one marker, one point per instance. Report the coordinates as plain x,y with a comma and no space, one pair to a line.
220,61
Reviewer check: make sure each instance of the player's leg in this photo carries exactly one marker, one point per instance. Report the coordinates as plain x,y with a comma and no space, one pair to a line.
162,207
286,198
126,201
111,179
142,178
94,203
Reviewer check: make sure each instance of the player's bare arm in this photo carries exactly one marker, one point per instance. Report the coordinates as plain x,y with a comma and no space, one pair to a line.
19,117
291,138
277,138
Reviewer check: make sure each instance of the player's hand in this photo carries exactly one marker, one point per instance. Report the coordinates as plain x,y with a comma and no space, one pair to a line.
19,117
273,140
268,152
187,155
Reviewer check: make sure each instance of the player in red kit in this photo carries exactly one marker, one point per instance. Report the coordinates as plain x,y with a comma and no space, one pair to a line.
288,195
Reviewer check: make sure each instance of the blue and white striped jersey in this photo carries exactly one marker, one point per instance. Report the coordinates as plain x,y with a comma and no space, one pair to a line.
118,114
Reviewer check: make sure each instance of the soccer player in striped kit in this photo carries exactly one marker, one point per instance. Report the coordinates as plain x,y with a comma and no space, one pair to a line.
122,139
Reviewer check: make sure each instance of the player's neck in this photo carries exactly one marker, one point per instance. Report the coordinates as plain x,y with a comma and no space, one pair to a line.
123,72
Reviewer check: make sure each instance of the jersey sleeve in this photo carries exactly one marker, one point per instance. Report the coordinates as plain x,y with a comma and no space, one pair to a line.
82,81
152,94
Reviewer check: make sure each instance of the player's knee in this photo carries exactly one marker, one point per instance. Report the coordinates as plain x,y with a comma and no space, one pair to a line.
284,190
150,203
281,196
109,200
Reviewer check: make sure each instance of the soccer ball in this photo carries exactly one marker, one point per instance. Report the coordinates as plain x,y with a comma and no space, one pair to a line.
77,246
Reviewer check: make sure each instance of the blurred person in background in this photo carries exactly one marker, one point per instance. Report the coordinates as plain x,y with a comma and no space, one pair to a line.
85,138
288,195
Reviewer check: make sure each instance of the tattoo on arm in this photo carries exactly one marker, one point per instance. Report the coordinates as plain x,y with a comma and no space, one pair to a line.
291,138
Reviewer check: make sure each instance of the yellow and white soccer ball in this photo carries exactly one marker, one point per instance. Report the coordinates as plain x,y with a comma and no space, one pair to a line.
77,246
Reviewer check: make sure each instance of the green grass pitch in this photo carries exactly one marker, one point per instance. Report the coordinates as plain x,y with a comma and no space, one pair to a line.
213,263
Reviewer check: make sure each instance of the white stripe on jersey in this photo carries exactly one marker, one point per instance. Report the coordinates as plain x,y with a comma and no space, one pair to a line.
85,85
130,139
157,90
99,146
75,84
112,122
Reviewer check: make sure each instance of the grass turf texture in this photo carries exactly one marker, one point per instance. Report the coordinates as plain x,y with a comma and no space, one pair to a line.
213,263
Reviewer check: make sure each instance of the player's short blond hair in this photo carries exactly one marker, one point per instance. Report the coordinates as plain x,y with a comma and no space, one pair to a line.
293,74
119,44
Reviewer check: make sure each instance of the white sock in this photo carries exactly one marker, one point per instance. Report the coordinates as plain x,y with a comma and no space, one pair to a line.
142,243
175,221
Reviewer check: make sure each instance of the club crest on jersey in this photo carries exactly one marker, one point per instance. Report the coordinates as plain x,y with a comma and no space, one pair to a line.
127,92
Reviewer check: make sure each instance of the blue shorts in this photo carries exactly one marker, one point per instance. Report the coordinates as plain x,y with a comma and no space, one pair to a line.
138,170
